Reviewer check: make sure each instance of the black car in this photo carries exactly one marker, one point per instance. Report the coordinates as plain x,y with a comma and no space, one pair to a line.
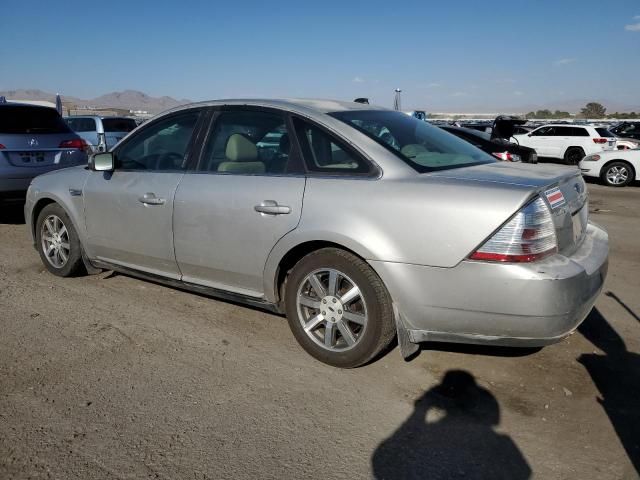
497,142
627,130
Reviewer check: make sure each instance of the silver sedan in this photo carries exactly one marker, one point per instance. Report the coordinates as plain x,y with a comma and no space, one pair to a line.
357,222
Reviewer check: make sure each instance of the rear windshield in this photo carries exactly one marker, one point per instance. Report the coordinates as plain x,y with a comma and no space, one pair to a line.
118,124
603,132
27,120
424,147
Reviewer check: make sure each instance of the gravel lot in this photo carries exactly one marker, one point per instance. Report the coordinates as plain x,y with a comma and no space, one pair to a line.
112,377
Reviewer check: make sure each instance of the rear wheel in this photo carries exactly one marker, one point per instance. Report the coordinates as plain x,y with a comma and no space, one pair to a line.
338,308
617,174
573,155
58,242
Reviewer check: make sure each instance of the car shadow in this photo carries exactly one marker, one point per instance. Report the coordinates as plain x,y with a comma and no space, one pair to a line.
451,433
12,213
616,374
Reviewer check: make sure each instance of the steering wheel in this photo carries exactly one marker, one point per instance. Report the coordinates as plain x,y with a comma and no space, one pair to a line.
169,157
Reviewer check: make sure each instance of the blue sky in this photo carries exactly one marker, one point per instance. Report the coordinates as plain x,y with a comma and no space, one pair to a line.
444,55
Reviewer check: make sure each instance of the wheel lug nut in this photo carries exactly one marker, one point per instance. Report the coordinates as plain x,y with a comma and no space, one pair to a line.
324,301
334,300
324,313
339,312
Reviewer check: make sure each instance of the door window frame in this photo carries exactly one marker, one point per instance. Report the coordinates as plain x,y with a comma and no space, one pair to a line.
190,151
295,163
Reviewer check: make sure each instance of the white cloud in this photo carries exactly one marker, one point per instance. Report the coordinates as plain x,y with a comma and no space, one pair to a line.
637,17
358,80
564,61
433,85
633,27
459,94
518,93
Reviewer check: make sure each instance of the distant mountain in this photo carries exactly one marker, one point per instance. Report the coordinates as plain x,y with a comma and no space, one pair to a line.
127,99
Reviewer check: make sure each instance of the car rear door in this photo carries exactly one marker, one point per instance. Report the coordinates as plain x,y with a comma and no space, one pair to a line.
129,212
540,140
245,195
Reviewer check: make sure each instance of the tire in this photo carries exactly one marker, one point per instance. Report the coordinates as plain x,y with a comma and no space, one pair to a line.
617,174
367,315
573,155
54,233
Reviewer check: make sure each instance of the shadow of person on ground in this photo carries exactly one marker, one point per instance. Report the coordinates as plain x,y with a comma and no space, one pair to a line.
11,213
451,434
617,376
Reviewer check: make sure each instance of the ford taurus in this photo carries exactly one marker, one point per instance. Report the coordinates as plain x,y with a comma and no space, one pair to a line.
357,222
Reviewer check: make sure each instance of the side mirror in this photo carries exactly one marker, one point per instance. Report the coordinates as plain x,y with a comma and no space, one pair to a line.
102,162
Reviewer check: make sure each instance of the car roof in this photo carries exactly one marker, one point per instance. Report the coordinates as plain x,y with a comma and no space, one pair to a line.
28,105
316,105
102,117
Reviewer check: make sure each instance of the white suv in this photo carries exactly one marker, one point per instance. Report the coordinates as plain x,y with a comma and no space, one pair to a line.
568,142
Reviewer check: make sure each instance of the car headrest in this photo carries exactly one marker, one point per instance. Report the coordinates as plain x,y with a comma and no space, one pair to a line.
285,144
241,149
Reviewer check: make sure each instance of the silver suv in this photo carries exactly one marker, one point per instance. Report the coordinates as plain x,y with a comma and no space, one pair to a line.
101,133
34,140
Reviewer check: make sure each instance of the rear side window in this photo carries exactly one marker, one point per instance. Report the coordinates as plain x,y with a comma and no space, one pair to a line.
603,132
544,132
118,124
577,132
30,120
82,124
324,153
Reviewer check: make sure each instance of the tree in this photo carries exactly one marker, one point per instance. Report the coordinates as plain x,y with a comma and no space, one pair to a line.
544,113
561,114
530,115
593,110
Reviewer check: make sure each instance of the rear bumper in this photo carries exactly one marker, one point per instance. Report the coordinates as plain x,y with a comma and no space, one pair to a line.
14,187
502,304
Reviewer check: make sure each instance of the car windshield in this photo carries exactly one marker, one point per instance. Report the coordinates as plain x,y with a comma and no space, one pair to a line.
424,147
118,124
27,120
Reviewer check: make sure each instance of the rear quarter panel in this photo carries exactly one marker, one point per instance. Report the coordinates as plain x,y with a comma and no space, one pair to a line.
424,221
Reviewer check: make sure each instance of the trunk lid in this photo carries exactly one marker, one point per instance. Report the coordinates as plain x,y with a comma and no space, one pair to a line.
561,187
39,150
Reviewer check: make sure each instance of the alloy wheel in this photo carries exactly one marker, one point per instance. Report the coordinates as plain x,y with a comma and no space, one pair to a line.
617,175
331,309
55,241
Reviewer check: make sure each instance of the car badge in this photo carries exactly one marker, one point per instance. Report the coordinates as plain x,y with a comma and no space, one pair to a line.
554,197
33,142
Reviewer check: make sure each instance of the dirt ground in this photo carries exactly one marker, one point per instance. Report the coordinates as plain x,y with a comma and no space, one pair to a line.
112,377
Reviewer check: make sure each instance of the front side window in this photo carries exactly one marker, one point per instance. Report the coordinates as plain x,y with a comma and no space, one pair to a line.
543,132
424,147
248,142
161,146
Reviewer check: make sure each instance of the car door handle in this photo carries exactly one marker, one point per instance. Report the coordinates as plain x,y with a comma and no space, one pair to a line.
271,207
151,199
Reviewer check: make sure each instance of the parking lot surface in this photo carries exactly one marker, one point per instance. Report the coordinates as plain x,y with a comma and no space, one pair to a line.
111,377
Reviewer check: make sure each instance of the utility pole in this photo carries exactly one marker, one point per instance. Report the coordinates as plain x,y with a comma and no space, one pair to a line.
396,100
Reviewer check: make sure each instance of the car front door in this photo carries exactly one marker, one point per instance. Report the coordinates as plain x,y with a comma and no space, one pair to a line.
541,140
245,195
129,212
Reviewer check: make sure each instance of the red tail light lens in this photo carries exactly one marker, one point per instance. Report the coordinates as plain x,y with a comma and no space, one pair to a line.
76,143
506,156
2,146
529,236
600,140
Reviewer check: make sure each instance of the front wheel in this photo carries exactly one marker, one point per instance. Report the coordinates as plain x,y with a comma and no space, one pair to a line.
617,174
338,308
58,242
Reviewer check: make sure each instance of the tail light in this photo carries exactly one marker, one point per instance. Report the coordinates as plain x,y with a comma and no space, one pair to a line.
76,143
2,146
506,156
529,236
600,140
